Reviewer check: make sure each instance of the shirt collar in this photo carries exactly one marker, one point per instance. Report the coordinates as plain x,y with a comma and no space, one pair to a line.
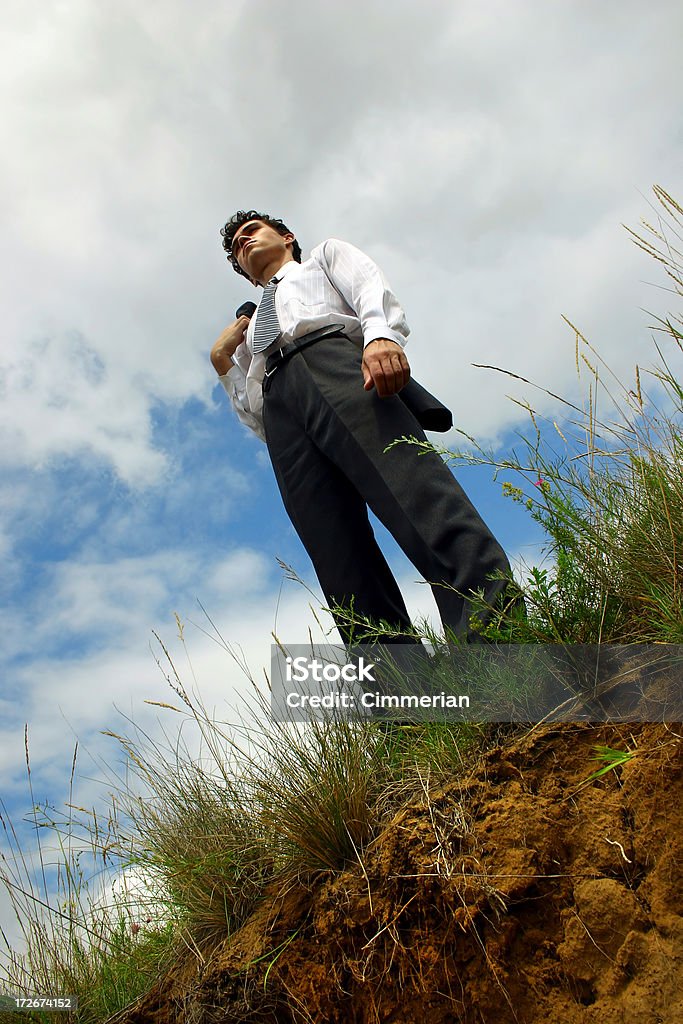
285,269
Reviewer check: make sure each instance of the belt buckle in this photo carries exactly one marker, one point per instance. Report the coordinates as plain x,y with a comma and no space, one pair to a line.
279,352
267,374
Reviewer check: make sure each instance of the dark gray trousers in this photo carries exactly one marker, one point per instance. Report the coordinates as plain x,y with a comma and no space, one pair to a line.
327,438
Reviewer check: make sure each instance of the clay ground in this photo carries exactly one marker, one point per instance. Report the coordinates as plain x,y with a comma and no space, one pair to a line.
520,894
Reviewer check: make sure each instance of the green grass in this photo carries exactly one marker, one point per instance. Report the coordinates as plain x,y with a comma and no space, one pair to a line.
82,938
279,803
606,487
611,760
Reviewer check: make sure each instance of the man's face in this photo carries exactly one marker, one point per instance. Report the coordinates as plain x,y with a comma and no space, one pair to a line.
256,246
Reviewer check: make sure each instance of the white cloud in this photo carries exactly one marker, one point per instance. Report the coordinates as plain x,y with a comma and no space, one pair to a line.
59,399
116,607
499,147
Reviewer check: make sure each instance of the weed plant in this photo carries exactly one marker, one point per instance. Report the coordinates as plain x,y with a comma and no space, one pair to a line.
269,806
81,938
606,487
270,803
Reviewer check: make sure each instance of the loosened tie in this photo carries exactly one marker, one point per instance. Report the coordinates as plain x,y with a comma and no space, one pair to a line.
267,327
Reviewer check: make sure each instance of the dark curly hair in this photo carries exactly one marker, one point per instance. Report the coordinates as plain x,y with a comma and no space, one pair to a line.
241,217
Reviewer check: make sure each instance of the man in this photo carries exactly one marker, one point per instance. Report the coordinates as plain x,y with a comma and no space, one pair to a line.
324,393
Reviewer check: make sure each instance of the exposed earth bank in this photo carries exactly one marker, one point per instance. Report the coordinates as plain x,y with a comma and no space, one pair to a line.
524,892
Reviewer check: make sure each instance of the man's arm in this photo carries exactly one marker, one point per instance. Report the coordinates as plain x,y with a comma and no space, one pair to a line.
226,343
232,373
363,286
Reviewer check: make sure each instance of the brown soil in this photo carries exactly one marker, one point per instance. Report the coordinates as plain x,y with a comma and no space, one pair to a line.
521,894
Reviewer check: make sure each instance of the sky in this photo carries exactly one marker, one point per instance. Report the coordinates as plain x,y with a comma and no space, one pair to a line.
486,154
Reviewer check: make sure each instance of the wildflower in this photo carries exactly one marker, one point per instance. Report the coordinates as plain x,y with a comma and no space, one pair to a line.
512,492
134,928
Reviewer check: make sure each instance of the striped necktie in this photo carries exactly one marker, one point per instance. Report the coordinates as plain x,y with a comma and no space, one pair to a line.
267,327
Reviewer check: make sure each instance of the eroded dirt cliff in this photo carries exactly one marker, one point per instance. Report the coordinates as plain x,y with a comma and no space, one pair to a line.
523,893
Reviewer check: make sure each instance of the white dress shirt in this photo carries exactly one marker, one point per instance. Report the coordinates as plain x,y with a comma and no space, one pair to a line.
338,284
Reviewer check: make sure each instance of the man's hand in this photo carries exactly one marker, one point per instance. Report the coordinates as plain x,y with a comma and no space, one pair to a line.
224,348
385,367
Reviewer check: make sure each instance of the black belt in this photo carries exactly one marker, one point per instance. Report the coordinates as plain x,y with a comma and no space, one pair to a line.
281,355
430,413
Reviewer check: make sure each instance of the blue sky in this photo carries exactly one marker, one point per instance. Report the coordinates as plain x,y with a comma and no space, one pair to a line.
486,154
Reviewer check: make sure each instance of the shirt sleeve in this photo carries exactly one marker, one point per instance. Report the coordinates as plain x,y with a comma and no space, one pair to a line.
365,289
235,384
